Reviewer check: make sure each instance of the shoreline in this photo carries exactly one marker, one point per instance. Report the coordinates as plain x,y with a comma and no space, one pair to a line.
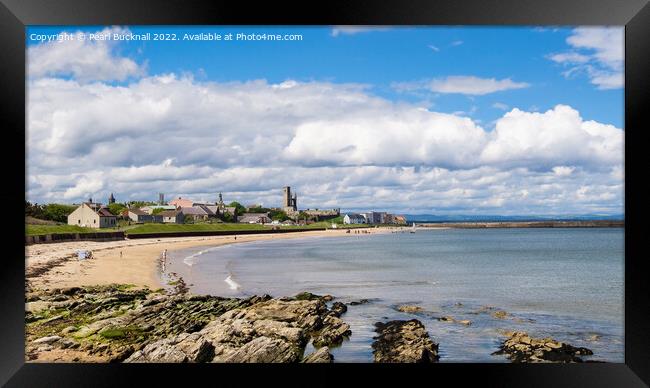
131,261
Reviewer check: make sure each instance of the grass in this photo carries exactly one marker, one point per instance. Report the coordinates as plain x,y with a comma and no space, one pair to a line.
34,230
174,228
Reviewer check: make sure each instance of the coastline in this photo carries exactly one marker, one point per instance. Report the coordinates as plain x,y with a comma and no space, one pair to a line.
56,265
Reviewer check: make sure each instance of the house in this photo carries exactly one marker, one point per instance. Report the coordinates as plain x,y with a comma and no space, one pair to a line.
137,215
181,202
172,217
354,218
92,215
399,220
254,218
196,213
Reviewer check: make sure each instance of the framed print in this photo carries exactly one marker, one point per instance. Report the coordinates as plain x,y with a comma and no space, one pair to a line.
389,190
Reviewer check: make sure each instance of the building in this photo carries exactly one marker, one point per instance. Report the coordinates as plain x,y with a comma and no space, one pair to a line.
289,203
376,217
196,213
138,215
151,208
172,217
321,215
354,218
401,220
255,218
111,199
92,215
161,199
181,202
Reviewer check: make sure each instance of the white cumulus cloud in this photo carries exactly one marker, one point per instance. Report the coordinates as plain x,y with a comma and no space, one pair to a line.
85,60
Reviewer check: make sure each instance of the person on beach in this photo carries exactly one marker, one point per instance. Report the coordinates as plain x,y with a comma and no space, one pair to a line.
120,254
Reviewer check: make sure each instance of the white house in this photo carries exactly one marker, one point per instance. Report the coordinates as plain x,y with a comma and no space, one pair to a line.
92,215
354,218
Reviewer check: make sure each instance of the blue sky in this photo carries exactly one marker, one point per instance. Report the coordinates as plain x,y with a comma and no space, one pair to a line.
332,91
381,58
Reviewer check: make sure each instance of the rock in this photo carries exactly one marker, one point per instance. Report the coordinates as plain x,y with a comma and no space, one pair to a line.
70,290
47,340
181,348
403,341
116,323
69,329
327,298
37,305
54,318
500,314
409,308
593,338
69,343
338,309
358,302
264,349
333,331
307,296
321,355
520,347
275,329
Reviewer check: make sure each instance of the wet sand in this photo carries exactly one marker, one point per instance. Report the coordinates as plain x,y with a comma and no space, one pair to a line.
56,265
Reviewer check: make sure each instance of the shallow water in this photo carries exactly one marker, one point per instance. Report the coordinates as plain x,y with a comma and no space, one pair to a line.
563,283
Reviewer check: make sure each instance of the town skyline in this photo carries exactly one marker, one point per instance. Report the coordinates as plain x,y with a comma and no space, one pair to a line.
432,132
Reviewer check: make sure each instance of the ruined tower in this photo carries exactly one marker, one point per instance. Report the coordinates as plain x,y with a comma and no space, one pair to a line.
290,203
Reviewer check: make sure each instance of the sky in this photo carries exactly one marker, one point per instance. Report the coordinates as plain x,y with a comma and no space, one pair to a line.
415,120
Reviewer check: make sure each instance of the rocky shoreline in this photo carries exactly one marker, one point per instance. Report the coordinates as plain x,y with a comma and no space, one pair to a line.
122,323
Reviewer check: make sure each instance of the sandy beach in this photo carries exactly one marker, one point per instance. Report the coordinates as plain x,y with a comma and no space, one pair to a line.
129,261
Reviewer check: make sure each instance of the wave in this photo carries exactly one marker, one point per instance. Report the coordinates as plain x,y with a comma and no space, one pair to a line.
231,283
189,260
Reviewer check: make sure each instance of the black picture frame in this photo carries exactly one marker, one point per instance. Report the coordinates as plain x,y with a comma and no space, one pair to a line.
16,14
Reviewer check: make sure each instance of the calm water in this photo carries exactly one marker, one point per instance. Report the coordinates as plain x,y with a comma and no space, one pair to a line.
563,283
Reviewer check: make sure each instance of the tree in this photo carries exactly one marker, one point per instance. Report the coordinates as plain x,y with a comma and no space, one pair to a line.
157,210
239,208
278,215
57,212
258,209
33,210
116,208
139,204
227,217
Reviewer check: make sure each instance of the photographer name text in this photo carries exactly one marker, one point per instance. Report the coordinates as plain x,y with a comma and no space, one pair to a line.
152,36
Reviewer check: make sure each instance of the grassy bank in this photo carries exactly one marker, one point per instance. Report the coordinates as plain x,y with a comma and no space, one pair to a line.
175,228
34,230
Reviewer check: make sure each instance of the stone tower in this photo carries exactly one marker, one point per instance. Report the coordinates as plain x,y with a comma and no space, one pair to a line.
111,199
290,203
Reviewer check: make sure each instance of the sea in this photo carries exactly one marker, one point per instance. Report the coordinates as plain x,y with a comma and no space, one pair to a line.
564,283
